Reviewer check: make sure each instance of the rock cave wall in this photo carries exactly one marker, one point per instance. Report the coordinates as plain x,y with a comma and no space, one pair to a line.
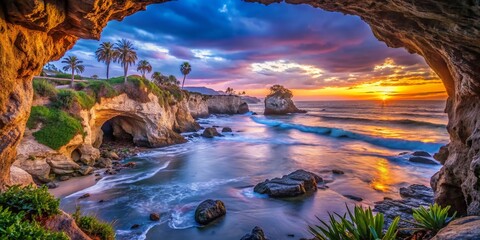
446,33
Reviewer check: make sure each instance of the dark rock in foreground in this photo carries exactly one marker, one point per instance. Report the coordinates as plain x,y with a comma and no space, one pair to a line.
256,234
209,210
291,185
424,160
354,198
413,197
210,132
467,228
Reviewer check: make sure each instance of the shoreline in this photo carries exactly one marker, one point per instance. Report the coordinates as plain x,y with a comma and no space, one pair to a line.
73,185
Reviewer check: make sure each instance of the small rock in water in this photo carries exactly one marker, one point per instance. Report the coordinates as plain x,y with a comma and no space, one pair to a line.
337,171
135,226
354,198
291,235
294,184
209,210
210,132
423,160
129,165
421,154
101,201
86,195
155,217
227,129
256,234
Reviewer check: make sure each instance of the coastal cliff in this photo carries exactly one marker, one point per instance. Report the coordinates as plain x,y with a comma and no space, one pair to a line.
203,105
146,123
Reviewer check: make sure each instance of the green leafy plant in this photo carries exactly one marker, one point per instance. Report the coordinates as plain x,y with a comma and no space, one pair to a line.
64,99
43,88
102,89
86,101
360,225
94,227
13,226
433,218
33,202
57,129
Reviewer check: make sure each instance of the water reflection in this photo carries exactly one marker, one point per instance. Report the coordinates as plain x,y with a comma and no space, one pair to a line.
383,179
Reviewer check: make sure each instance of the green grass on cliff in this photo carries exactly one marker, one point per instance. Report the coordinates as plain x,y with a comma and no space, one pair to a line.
20,208
94,227
66,98
58,127
43,88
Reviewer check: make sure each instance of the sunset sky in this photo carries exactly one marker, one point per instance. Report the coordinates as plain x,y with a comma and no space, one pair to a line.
246,46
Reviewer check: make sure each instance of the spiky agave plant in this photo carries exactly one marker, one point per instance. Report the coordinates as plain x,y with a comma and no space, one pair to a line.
433,218
362,225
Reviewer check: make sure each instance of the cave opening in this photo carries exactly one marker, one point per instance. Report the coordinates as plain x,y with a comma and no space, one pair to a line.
118,131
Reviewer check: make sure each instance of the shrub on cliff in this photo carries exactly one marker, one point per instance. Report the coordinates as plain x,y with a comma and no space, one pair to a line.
280,90
94,227
13,226
33,202
63,99
57,129
102,89
43,88
20,208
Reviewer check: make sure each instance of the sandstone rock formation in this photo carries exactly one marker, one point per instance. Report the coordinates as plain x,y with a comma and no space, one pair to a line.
209,210
204,105
65,223
294,184
20,177
445,33
279,105
467,228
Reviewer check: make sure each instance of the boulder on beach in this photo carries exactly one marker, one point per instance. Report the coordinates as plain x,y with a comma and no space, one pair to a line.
279,102
256,234
209,210
294,184
210,132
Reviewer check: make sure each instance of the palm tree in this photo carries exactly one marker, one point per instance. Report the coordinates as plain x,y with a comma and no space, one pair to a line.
105,53
125,55
157,78
74,64
185,68
143,67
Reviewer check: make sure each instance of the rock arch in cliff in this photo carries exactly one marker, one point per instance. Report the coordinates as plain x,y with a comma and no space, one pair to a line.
445,33
122,128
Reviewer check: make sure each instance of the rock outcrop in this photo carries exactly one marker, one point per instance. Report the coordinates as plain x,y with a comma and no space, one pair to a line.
65,223
209,210
413,197
445,33
204,105
294,184
467,228
278,104
20,177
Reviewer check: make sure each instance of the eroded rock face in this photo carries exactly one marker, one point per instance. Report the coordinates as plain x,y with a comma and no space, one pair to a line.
467,228
447,35
279,105
204,105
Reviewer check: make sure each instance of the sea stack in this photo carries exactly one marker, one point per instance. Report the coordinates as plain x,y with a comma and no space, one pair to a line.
279,102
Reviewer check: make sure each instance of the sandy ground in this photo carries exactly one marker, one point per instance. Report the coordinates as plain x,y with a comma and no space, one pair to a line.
73,185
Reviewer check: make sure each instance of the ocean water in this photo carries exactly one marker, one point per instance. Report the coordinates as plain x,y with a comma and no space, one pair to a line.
362,138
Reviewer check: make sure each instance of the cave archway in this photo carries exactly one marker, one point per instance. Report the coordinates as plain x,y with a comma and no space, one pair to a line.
445,33
121,130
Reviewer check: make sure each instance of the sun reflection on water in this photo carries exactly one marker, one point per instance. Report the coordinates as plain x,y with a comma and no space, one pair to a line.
383,179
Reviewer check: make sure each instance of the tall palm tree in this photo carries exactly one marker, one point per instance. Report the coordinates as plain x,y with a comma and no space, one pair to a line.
125,55
185,68
74,64
143,67
105,53
157,78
